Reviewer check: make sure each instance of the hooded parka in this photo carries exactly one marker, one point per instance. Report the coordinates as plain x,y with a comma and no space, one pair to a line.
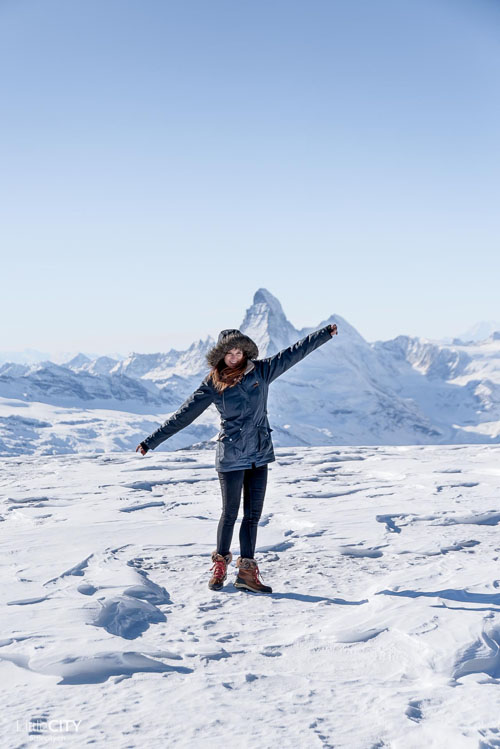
245,434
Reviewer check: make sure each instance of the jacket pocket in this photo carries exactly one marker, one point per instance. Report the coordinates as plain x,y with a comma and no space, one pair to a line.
228,448
264,438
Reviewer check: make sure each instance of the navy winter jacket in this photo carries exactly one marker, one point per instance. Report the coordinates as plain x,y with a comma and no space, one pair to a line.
245,434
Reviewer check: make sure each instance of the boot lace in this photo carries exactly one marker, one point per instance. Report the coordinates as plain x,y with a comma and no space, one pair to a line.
219,568
256,575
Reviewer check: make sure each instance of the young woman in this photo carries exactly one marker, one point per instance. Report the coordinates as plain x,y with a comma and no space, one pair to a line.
238,385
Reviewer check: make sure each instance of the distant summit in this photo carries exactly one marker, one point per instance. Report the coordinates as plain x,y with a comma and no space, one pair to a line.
78,361
266,323
479,332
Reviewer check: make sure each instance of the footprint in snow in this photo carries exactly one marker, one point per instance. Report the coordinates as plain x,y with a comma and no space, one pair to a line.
209,606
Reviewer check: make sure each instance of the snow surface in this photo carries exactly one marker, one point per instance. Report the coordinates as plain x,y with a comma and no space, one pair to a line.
383,629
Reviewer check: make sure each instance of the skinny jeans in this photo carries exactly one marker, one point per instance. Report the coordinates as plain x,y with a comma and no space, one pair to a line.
253,481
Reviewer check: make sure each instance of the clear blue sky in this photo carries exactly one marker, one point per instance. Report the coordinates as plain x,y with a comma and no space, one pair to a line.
163,160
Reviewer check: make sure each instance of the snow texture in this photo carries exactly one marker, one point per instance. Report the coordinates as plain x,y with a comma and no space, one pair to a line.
383,628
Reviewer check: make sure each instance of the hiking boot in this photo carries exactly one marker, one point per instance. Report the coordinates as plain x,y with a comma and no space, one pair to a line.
219,568
248,576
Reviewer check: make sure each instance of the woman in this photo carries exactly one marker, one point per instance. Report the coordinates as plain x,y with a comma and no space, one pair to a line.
238,385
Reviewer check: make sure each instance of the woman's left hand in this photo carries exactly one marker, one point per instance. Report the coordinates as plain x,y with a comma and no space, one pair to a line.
333,330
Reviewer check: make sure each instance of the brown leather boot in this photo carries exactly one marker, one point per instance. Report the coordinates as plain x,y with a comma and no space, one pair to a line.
219,568
248,576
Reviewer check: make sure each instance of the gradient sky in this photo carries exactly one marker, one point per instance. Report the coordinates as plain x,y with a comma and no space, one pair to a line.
163,160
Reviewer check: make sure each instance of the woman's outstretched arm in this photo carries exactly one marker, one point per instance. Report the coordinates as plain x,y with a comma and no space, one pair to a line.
187,413
276,365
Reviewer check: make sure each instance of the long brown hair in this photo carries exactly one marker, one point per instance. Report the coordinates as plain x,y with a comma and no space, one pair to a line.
226,377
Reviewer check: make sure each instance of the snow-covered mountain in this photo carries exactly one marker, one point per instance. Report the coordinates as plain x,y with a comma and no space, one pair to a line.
479,332
457,386
27,356
349,391
32,356
63,386
266,324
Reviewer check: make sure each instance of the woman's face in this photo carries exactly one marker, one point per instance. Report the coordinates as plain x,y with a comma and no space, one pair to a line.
233,358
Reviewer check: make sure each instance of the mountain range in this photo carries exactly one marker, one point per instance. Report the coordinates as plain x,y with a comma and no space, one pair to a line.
404,391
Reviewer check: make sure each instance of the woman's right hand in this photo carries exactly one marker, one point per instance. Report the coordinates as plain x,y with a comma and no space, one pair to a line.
141,449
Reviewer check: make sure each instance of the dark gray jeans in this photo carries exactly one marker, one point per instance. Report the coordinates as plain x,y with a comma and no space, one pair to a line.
253,481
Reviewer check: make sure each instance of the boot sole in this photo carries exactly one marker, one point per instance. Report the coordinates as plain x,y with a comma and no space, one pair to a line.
243,586
217,587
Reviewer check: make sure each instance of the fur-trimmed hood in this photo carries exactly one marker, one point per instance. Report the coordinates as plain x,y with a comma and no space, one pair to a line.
228,339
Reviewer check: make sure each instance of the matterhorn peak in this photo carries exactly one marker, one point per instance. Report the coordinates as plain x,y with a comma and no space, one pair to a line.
263,296
266,323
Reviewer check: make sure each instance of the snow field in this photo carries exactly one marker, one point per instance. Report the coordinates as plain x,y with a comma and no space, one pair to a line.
383,629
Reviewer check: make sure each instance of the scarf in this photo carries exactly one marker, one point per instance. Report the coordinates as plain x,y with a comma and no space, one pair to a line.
226,377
